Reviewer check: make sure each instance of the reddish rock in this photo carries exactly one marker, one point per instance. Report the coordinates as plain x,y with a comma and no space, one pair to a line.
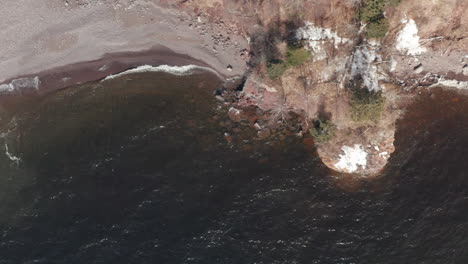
309,143
228,137
234,114
262,134
257,127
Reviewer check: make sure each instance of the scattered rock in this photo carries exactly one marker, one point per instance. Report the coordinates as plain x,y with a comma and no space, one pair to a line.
262,134
219,98
228,137
418,69
234,114
257,127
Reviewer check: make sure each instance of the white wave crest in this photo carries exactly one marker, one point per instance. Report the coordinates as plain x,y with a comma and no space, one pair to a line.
12,157
175,70
6,88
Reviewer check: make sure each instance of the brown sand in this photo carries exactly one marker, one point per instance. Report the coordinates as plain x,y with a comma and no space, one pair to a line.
67,42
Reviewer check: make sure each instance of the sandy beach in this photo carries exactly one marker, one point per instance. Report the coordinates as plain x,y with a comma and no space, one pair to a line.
68,42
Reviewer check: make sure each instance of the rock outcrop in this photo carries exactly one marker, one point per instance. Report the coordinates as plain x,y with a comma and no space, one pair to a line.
419,49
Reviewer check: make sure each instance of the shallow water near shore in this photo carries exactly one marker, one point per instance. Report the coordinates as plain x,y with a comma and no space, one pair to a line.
138,170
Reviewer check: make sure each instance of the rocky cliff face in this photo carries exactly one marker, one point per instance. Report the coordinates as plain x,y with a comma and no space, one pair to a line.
368,59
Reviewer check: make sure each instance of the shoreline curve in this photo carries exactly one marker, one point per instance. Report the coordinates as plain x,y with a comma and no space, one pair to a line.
88,71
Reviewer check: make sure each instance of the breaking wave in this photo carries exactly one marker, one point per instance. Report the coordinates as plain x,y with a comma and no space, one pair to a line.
20,84
175,70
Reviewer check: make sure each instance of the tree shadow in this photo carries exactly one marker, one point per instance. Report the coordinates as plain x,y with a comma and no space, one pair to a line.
322,114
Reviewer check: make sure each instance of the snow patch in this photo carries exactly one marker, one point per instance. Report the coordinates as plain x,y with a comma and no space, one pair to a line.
393,65
317,37
451,83
175,70
383,154
408,39
363,65
352,158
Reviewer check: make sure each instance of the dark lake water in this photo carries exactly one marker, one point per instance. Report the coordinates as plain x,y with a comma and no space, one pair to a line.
137,170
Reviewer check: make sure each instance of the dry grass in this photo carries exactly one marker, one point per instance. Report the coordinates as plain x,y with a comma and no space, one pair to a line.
366,106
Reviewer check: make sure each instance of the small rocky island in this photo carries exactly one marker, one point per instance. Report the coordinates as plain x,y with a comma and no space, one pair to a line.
339,72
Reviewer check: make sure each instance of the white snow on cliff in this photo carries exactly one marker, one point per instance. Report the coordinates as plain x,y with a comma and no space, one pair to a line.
408,39
317,37
363,64
352,158
175,70
451,83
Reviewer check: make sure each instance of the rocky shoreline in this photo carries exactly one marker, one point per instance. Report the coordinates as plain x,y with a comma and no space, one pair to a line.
252,47
393,67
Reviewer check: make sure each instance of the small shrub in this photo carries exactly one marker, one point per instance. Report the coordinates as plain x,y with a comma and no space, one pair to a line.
372,10
322,131
372,13
366,106
377,29
297,56
393,3
276,68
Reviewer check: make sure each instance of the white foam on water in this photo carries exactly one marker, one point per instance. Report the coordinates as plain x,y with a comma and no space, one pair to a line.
21,84
6,88
26,83
175,70
352,158
408,39
104,67
12,157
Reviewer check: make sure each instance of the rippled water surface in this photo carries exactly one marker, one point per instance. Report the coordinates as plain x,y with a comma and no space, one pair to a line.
137,170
